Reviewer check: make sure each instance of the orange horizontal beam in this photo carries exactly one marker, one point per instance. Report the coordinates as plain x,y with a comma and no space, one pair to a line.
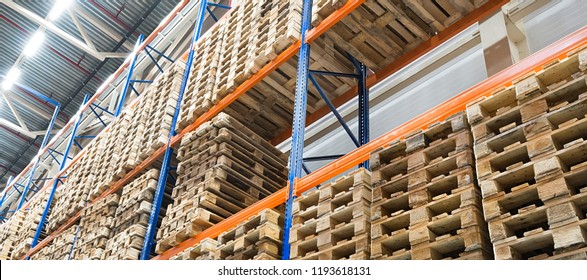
332,19
102,89
558,50
458,103
471,18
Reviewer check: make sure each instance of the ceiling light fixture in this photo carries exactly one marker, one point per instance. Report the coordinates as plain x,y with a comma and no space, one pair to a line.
33,46
10,78
58,8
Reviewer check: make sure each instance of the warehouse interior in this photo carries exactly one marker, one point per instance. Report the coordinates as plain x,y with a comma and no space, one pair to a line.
290,129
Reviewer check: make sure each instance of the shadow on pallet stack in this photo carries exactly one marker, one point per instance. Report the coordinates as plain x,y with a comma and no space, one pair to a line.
94,228
134,136
426,204
258,238
247,38
59,248
380,31
72,195
224,167
333,222
111,229
30,221
531,163
131,218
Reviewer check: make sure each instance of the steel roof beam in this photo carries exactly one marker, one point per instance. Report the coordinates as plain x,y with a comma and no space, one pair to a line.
56,30
19,129
14,112
27,104
107,30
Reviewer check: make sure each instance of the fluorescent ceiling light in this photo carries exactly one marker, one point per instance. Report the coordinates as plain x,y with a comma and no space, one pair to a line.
10,78
34,44
58,8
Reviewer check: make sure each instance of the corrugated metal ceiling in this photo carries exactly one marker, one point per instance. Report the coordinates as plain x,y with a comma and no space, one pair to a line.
59,69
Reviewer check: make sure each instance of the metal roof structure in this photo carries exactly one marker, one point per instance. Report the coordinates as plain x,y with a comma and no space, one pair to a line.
81,49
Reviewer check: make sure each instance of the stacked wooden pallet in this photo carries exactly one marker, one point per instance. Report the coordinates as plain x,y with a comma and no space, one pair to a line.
333,223
94,229
197,98
112,146
72,196
426,204
531,163
258,238
224,167
30,223
163,94
379,31
131,218
205,250
8,234
135,135
241,43
59,248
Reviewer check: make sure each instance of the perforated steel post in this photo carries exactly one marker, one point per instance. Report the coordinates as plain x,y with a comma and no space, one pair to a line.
299,124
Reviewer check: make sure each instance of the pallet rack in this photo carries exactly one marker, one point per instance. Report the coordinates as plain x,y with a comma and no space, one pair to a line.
297,183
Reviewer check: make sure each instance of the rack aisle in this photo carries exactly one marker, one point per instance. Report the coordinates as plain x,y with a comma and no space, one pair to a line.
297,183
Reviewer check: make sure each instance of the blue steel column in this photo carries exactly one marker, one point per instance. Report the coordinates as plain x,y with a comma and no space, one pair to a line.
6,191
160,191
56,182
128,77
38,157
363,117
299,124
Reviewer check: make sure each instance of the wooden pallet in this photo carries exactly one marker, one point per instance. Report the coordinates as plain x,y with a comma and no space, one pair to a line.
535,218
8,234
457,235
72,196
336,213
389,210
173,232
437,170
532,185
355,249
126,245
197,98
28,227
243,41
380,31
530,151
224,167
259,237
95,228
557,85
205,250
579,254
59,248
265,239
542,244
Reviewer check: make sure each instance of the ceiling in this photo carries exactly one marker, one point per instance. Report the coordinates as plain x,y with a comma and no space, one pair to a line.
59,69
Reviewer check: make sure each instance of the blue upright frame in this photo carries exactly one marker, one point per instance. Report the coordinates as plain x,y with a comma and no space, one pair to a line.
149,240
62,166
30,179
299,123
297,162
